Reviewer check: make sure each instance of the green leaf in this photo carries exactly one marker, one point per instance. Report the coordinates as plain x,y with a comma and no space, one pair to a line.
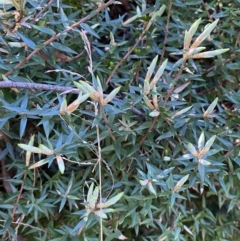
201,141
204,162
210,108
154,113
208,145
92,196
100,213
30,148
190,147
179,62
151,188
111,95
129,20
99,86
146,87
45,150
89,30
158,74
27,41
195,50
63,48
165,136
23,124
151,69
180,183
60,163
143,182
201,170
209,54
204,34
39,163
110,201
181,111
194,27
87,87
64,18
187,40
48,31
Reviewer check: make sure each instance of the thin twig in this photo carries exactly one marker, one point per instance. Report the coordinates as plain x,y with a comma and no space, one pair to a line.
100,173
41,12
208,14
19,196
167,31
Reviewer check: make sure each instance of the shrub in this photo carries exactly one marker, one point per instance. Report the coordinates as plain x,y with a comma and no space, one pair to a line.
119,120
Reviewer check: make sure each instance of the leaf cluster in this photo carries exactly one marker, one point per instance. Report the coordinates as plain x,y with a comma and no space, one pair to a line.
149,149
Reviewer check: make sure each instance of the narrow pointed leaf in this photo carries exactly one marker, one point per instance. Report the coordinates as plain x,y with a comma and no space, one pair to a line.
204,34
111,95
155,97
89,29
101,214
180,183
81,87
201,141
154,113
94,198
60,163
207,146
39,164
45,150
181,111
100,90
131,19
209,54
194,27
30,148
146,87
87,86
187,40
164,173
63,108
151,188
190,147
158,74
210,108
75,104
187,229
90,192
155,15
193,51
179,62
27,41
151,69
111,201
143,182
28,154
180,88
204,162
147,102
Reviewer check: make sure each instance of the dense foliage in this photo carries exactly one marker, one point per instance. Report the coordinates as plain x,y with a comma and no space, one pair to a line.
149,149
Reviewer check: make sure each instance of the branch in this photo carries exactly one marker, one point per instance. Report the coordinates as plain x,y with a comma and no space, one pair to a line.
55,88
